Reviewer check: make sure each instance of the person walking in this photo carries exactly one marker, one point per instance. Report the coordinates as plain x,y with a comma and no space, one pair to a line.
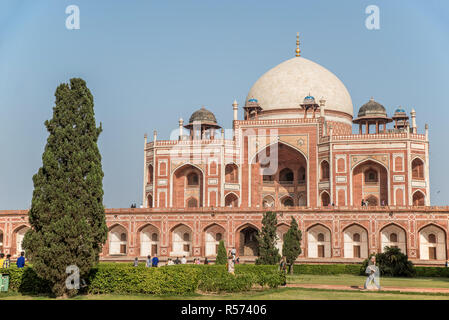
183,260
136,262
155,262
21,260
2,259
283,265
373,274
230,264
148,262
177,261
206,261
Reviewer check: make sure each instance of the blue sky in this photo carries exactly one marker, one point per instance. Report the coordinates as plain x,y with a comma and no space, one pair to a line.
148,63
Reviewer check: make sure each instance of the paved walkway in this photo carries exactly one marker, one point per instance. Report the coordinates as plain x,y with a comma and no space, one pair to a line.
358,288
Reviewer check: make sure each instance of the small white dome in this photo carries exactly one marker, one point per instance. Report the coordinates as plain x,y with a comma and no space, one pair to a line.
286,85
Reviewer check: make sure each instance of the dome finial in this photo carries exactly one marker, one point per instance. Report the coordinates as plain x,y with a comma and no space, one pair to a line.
298,51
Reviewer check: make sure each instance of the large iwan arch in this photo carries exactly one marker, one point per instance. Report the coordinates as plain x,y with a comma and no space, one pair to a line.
282,168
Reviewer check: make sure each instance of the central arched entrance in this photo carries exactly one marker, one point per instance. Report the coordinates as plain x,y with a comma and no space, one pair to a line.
188,187
370,184
279,171
247,241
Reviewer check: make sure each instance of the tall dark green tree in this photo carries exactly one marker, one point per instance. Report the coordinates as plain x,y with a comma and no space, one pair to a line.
222,257
268,253
292,244
68,224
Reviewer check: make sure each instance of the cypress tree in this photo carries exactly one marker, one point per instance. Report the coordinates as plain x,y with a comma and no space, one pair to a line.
68,224
221,254
268,253
292,244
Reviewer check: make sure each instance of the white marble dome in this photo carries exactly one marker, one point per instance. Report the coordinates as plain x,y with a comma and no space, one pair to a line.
286,85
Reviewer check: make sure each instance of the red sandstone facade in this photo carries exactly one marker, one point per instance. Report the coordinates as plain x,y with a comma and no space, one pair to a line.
291,154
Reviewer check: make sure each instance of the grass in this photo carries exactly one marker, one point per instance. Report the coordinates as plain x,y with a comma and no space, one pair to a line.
292,293
352,280
271,294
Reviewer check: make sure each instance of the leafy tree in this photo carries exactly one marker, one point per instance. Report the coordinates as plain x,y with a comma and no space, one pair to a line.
292,244
68,224
222,257
392,262
268,253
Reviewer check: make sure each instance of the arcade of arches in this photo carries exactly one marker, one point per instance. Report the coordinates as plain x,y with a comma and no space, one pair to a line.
317,241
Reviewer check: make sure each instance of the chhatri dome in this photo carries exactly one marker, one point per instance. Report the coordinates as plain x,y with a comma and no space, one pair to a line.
286,85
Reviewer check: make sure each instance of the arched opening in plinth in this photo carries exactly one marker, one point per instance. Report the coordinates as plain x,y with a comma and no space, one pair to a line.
393,236
248,244
281,231
432,243
182,239
318,242
118,240
149,241
355,239
213,234
1,240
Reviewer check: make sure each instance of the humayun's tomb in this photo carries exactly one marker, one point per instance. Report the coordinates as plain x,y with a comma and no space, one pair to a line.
294,152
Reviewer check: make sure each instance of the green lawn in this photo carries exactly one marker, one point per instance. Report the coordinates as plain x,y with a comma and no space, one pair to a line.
351,280
272,294
294,293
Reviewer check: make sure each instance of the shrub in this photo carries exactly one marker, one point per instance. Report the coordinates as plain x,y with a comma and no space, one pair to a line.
25,280
432,272
392,263
327,269
123,278
221,255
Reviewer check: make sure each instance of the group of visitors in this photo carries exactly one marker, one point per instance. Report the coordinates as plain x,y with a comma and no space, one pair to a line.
154,262
6,262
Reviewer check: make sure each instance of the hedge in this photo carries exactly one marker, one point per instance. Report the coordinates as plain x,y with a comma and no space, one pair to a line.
357,269
120,278
326,269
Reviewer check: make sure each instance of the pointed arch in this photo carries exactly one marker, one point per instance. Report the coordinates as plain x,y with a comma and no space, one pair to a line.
325,198
432,242
355,239
419,198
387,239
118,239
213,234
319,241
149,237
358,183
181,240
18,235
231,199
246,240
178,185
